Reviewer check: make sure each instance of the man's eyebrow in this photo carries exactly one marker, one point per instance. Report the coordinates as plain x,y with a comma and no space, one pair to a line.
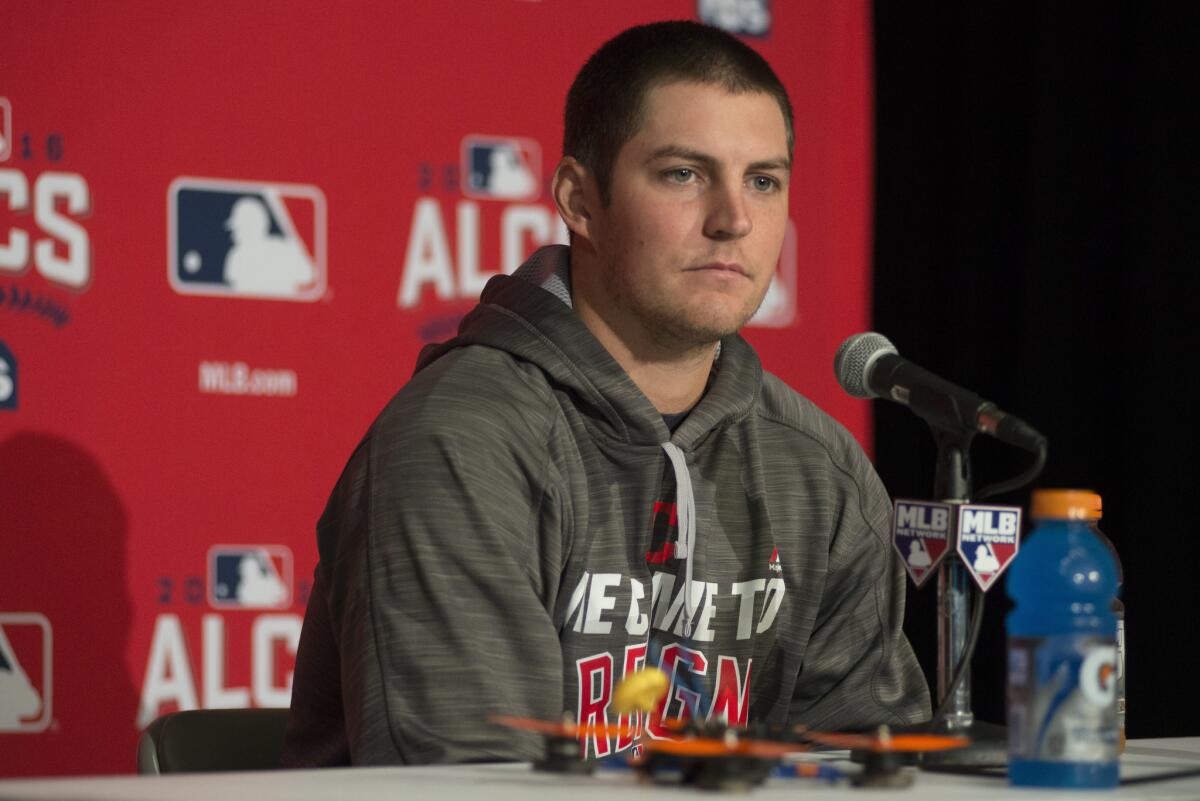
680,152
781,164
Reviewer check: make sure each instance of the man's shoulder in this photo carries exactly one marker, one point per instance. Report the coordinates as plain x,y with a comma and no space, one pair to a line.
826,452
781,406
474,391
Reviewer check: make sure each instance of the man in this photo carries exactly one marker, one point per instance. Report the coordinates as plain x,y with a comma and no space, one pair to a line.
597,474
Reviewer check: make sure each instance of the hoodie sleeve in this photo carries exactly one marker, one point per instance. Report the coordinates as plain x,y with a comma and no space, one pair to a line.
437,552
859,669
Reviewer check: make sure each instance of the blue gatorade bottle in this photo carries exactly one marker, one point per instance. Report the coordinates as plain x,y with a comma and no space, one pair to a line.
1062,649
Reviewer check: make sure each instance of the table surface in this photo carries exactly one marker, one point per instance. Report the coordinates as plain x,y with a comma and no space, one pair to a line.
1142,758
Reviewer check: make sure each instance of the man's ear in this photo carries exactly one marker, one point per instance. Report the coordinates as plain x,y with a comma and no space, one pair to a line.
575,194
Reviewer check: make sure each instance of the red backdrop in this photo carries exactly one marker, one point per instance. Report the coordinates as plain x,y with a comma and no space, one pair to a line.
168,432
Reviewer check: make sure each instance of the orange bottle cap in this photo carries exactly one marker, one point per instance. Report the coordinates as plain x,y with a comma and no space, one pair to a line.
1066,504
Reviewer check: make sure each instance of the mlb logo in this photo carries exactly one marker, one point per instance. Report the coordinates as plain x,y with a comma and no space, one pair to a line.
501,168
26,670
8,378
988,539
746,17
6,133
246,239
250,577
921,535
778,308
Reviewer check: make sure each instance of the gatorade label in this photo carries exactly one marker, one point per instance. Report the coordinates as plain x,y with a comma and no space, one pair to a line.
1062,698
1121,672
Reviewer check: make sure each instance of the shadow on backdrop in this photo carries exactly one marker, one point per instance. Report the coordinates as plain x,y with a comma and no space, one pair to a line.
63,530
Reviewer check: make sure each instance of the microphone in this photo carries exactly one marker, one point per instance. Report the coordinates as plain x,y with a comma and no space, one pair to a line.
867,365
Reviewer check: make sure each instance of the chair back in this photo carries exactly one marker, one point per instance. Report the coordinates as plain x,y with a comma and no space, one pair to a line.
200,740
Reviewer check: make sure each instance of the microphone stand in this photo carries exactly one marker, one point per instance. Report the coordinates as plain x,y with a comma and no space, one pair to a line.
989,743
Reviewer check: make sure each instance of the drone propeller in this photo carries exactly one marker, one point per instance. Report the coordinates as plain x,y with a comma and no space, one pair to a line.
563,728
884,741
712,747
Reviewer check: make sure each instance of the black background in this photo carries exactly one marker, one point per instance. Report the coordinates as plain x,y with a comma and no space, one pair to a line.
1035,241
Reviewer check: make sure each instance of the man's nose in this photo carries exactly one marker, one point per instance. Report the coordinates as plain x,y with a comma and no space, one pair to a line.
728,213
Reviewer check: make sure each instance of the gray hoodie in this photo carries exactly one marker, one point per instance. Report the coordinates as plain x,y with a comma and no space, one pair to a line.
519,529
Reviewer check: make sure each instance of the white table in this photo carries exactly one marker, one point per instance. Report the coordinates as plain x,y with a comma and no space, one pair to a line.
519,783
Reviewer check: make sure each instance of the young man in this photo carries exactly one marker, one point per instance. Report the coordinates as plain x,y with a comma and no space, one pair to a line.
597,474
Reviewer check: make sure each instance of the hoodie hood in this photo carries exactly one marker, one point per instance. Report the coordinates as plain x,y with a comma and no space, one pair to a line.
528,315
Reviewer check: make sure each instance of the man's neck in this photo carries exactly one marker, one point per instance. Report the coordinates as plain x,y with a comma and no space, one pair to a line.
673,379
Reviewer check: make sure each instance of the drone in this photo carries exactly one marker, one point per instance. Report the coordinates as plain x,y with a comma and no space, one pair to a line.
713,754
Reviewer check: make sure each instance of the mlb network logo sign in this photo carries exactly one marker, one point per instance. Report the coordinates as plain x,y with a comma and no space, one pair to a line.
988,540
246,239
921,535
250,576
501,168
5,129
26,651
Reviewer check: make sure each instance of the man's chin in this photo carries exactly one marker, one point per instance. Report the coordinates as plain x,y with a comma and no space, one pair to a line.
696,331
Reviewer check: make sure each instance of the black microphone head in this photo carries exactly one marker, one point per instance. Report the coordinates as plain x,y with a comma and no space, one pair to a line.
854,359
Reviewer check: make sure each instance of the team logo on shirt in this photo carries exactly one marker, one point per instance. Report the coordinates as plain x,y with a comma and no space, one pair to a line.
246,239
988,540
250,576
501,168
921,535
664,533
26,671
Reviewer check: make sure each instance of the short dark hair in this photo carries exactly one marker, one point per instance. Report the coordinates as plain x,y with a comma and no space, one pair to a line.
606,101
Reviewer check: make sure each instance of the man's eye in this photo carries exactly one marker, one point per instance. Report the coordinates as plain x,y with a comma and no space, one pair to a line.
764,183
682,175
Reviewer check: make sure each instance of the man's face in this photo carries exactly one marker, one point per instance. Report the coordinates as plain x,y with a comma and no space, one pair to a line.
688,244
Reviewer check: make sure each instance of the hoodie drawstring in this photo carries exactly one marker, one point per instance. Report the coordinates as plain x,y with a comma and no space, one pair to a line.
685,548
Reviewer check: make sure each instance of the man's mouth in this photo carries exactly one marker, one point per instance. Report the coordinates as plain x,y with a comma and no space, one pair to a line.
731,267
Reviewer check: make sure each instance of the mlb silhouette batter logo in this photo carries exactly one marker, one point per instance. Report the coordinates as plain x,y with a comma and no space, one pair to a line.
5,129
501,168
988,540
26,670
246,239
250,577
